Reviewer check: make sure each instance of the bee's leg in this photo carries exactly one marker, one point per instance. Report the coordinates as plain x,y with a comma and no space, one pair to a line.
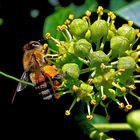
51,56
59,76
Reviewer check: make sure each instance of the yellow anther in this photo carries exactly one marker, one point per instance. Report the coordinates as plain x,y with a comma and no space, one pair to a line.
121,105
63,27
85,18
67,22
45,46
89,117
48,36
110,13
67,112
93,102
102,66
123,89
132,87
88,13
128,107
59,28
113,16
103,97
100,10
138,48
138,34
130,22
71,16
137,31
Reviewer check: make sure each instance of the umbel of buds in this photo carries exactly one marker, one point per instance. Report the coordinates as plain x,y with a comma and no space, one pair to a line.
100,63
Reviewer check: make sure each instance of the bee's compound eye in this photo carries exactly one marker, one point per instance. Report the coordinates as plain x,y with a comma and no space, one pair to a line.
34,44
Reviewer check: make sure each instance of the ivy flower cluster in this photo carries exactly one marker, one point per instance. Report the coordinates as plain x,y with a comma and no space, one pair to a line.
100,62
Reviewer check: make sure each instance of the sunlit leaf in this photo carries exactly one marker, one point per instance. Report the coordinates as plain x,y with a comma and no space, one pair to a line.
130,12
116,4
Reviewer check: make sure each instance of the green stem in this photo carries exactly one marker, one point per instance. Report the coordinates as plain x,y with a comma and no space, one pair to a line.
16,79
113,126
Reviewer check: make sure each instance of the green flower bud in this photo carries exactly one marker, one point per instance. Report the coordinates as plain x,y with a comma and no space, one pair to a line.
78,28
119,44
98,57
82,48
67,58
99,30
88,35
110,35
72,70
128,32
133,118
86,87
126,63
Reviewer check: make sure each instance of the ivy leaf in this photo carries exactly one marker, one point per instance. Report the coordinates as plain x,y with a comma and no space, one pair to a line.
130,12
116,4
88,125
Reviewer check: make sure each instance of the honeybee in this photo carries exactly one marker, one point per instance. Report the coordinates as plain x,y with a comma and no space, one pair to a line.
37,69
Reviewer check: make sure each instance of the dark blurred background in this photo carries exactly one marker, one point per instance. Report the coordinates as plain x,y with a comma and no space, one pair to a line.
21,22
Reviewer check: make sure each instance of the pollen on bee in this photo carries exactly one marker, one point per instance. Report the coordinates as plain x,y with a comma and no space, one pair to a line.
50,71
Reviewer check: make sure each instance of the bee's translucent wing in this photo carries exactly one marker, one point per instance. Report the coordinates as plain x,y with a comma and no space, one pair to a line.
22,86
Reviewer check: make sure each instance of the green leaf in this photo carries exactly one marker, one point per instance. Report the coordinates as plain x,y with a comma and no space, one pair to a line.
88,5
116,4
130,12
88,126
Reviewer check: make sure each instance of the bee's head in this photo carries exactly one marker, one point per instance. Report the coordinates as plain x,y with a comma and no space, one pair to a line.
32,45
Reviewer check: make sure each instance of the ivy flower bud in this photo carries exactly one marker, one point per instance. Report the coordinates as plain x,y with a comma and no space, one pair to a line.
119,44
134,121
99,30
98,57
82,48
127,63
78,28
71,69
128,32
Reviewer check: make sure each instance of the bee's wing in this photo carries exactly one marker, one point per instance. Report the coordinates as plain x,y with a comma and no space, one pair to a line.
22,86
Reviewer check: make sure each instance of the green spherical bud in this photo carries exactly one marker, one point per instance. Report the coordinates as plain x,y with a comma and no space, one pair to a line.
128,32
98,57
110,35
72,70
86,87
88,35
82,48
99,29
78,28
119,44
126,63
133,118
